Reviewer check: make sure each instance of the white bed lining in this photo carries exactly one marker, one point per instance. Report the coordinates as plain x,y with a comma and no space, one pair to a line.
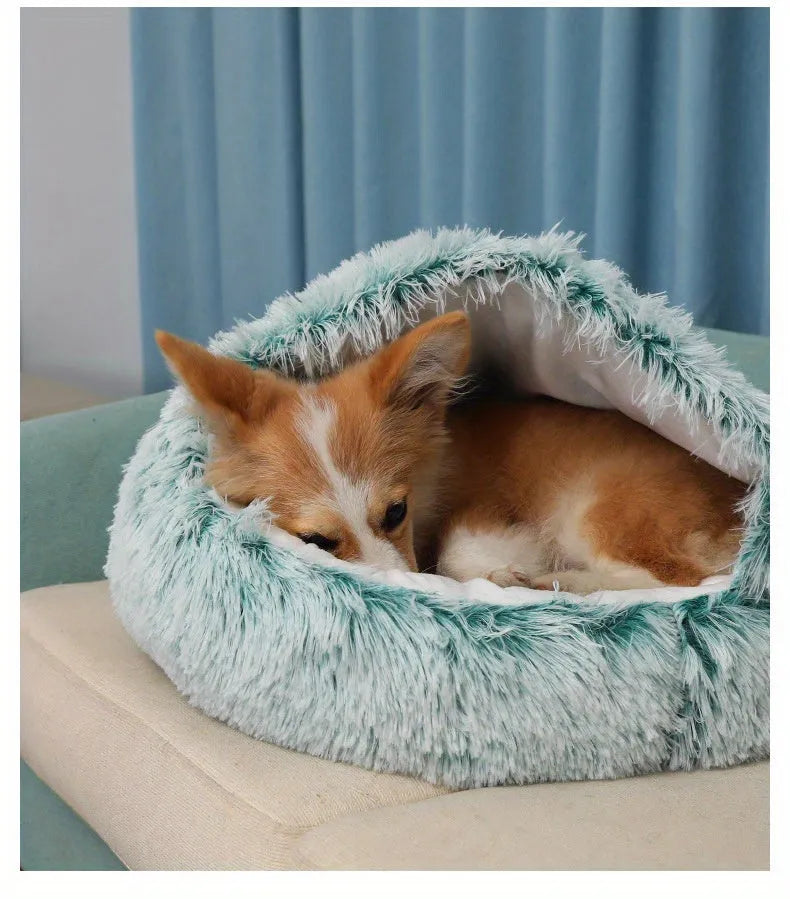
482,591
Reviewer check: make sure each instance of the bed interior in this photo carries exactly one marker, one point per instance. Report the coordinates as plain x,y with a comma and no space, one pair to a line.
514,346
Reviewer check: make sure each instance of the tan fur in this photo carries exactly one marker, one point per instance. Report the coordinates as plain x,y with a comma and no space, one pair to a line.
640,500
586,498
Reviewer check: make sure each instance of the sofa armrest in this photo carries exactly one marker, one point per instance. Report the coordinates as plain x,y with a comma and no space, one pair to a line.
70,471
748,352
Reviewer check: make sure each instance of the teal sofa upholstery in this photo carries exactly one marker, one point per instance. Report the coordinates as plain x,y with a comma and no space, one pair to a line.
70,470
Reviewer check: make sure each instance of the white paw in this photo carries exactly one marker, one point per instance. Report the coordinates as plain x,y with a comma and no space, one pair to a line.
551,581
579,583
510,576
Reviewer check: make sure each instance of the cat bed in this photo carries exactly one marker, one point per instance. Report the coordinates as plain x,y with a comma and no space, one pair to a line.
462,684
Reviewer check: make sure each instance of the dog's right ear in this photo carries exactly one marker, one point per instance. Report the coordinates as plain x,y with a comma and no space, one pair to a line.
420,368
231,393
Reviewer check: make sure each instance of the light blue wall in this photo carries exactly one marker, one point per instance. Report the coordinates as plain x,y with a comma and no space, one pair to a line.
272,143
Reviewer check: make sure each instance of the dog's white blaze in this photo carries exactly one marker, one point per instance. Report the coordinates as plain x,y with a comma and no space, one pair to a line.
350,498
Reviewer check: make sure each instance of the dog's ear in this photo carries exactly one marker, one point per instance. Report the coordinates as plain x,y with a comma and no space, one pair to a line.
231,394
419,369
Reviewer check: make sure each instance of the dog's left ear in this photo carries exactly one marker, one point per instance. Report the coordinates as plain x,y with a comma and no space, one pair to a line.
419,369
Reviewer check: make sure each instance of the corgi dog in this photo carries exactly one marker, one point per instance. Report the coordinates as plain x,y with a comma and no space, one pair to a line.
376,464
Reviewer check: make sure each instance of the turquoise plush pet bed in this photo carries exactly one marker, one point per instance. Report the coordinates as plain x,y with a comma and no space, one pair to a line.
463,684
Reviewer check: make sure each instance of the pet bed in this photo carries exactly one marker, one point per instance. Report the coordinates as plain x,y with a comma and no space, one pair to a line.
462,684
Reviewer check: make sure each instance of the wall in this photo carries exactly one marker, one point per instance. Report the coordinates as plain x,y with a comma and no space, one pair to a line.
80,297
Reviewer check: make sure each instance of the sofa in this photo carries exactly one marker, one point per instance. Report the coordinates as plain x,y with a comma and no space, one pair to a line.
119,771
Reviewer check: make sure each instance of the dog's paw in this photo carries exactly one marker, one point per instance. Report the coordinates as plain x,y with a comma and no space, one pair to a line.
547,582
509,576
579,583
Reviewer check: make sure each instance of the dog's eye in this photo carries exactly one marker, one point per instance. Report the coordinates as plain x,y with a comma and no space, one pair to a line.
394,515
325,543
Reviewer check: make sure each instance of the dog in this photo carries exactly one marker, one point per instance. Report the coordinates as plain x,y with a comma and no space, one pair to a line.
378,464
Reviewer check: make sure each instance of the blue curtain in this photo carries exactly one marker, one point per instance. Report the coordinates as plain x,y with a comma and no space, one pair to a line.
273,143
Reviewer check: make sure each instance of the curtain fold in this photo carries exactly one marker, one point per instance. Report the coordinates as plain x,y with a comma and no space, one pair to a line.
272,143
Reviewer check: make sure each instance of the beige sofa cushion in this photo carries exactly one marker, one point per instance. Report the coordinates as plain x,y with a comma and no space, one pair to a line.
169,788
680,821
165,786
